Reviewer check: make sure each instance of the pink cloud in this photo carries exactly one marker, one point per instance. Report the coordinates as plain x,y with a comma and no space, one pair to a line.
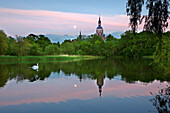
22,22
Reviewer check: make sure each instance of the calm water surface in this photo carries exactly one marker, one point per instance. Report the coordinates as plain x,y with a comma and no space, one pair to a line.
87,86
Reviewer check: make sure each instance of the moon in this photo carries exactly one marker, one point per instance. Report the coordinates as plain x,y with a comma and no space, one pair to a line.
75,85
74,26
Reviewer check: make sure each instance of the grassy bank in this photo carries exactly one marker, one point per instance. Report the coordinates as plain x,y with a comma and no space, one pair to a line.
148,57
52,58
34,59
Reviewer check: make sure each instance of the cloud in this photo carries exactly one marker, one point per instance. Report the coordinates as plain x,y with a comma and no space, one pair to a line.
23,22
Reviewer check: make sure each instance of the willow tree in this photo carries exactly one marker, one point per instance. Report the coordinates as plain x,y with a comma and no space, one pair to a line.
157,19
134,9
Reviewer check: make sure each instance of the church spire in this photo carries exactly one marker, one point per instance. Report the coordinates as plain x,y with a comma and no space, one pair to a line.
99,22
80,36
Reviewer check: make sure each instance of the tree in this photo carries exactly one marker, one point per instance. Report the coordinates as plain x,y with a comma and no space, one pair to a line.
12,46
23,46
134,9
111,43
25,49
36,50
20,43
79,52
43,41
3,42
109,38
86,47
65,41
99,47
141,44
67,48
110,46
77,47
93,38
162,60
32,38
157,18
58,43
52,50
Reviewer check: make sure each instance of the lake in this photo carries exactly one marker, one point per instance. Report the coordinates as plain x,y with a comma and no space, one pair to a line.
86,86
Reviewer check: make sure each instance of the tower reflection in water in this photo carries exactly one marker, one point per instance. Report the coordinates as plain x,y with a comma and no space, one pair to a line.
100,83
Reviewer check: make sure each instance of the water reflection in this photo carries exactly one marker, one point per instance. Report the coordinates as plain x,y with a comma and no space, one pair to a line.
100,82
116,80
130,70
162,100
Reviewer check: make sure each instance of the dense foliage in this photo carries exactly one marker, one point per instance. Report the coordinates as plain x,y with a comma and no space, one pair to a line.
156,21
3,42
130,45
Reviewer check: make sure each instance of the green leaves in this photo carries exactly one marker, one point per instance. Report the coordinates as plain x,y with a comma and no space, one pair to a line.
141,44
3,42
36,50
52,50
68,48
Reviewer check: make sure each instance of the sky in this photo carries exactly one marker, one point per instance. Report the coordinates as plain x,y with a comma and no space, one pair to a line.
22,17
107,7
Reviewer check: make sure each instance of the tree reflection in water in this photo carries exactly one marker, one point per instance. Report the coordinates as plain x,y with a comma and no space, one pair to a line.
162,100
131,70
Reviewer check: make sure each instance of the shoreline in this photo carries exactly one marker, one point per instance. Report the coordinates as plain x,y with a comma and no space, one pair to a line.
50,58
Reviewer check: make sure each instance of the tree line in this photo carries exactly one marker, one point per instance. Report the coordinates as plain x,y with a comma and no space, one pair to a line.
141,44
129,45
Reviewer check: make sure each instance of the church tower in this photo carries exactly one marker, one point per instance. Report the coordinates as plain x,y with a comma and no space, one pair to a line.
99,30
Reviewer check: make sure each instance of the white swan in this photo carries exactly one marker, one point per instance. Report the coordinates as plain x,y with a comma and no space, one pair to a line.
35,67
